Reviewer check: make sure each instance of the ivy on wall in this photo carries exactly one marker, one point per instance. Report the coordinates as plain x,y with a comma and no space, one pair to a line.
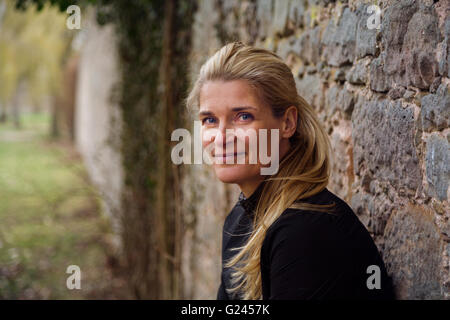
154,43
153,38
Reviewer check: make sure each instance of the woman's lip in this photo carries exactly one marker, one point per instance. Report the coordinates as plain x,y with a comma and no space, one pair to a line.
228,155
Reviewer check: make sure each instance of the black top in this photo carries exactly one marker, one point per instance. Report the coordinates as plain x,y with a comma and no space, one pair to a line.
309,254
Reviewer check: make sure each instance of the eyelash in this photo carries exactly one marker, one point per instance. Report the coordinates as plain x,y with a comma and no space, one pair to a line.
204,119
238,116
246,114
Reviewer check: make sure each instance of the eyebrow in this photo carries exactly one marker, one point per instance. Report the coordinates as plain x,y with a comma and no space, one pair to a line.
235,109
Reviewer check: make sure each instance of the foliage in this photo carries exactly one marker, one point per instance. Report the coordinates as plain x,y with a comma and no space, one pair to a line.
154,45
32,46
61,4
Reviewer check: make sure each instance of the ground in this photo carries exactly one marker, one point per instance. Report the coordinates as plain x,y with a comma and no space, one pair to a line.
50,218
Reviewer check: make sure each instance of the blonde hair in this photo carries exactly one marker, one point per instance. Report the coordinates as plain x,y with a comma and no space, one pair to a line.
304,170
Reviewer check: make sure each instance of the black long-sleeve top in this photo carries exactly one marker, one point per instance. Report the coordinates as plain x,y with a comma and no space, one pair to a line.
308,254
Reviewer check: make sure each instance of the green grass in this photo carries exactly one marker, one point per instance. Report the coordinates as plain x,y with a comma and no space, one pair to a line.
37,122
49,217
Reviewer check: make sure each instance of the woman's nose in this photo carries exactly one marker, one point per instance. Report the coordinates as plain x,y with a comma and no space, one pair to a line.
224,136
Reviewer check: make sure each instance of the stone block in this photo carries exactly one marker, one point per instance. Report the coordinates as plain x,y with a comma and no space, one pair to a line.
419,50
358,72
310,87
379,81
437,162
383,139
264,15
339,99
280,16
394,27
410,37
444,62
412,253
339,40
309,46
296,13
366,39
435,110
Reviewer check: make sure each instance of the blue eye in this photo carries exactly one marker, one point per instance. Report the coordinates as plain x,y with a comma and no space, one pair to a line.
208,120
245,116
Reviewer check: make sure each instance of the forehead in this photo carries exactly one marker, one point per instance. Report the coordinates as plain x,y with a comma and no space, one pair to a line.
215,95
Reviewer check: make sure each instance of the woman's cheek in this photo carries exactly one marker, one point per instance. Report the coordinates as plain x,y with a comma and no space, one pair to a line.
247,141
207,135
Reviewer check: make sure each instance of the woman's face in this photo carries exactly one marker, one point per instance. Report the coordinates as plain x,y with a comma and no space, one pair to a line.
226,105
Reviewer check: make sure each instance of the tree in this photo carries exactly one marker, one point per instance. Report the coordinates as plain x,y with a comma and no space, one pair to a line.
32,48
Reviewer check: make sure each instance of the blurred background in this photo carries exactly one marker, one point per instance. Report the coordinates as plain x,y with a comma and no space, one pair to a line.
89,96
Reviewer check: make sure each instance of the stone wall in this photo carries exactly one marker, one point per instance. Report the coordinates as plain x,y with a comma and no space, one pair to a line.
382,94
97,117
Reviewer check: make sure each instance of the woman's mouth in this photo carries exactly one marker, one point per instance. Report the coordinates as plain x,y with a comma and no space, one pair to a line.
228,156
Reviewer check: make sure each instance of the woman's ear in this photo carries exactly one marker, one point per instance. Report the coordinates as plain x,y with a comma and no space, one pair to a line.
289,125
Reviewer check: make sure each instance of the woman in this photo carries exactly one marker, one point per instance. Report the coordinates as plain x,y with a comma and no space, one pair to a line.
288,236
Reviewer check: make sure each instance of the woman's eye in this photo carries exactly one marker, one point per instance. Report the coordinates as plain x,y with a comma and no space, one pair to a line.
208,120
245,116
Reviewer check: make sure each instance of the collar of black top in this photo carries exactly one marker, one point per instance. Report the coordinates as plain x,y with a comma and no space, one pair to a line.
249,204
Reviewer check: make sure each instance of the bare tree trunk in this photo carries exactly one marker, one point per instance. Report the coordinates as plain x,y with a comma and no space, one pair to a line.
153,241
176,46
54,130
15,110
3,115
70,83
164,210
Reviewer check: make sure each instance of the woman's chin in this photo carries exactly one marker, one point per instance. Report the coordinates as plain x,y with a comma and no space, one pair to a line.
227,174
232,173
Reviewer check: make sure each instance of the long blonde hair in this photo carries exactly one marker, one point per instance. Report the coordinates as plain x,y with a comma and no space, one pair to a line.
304,170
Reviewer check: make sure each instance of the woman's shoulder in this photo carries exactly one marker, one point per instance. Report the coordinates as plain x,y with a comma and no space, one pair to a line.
325,197
310,225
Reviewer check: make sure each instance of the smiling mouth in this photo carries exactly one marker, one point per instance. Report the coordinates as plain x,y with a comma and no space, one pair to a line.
229,155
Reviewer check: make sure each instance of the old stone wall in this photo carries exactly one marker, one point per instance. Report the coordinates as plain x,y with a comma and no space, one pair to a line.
97,117
383,96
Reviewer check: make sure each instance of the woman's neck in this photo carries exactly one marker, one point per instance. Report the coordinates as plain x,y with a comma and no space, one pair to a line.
249,187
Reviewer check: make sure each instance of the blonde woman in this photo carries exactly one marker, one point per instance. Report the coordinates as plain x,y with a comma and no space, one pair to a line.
288,236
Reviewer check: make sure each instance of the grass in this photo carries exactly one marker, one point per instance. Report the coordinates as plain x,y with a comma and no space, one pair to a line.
50,218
